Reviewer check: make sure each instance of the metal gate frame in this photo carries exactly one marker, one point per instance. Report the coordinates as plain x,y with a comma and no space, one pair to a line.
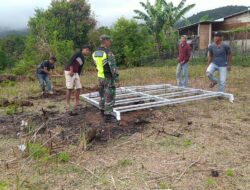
150,96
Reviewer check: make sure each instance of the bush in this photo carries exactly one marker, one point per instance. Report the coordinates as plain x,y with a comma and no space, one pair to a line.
23,67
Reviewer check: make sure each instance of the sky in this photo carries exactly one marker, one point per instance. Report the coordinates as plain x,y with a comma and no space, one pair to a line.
14,14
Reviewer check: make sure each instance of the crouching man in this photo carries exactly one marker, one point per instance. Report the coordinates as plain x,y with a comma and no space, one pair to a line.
108,77
43,72
219,59
72,75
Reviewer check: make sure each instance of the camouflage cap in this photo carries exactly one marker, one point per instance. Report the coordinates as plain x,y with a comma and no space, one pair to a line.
105,37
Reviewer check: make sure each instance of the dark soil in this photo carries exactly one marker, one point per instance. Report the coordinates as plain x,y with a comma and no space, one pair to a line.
67,129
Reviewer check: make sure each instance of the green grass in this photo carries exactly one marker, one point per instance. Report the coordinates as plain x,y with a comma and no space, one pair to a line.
229,173
37,151
65,169
11,110
125,162
3,185
210,182
164,185
187,143
7,84
63,156
20,89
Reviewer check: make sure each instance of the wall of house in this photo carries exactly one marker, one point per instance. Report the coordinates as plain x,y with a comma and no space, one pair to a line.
243,18
238,21
205,35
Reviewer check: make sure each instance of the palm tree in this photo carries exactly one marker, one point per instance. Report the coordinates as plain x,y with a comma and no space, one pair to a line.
161,16
174,14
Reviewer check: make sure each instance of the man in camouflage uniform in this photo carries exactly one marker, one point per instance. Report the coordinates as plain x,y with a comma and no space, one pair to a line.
108,77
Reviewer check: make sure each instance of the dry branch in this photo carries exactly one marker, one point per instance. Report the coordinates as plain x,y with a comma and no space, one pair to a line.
185,170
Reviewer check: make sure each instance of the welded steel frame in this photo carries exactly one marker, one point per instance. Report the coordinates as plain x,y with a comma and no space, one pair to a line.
144,97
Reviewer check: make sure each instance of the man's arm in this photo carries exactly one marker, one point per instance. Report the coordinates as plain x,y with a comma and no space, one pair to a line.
113,68
71,71
45,69
55,73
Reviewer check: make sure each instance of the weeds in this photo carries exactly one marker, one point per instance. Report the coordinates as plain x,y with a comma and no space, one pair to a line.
63,157
210,182
37,151
125,162
3,185
229,173
65,169
164,185
187,143
5,84
11,110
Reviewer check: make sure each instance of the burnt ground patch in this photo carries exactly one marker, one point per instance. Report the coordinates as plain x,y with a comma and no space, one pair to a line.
89,121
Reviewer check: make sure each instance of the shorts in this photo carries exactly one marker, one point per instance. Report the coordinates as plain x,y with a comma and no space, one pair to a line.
72,82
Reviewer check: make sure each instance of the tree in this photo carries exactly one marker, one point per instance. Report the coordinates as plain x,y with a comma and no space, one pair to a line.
130,42
161,16
3,60
12,47
94,36
60,29
71,19
204,18
174,14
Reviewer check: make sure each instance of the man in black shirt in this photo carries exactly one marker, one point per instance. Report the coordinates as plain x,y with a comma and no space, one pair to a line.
72,72
43,73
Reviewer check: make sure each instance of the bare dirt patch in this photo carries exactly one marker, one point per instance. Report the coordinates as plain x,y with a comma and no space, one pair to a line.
88,119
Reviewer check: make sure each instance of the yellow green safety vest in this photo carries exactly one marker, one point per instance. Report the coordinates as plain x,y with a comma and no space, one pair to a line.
100,59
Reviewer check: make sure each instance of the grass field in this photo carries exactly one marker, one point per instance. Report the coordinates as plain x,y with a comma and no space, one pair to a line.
214,137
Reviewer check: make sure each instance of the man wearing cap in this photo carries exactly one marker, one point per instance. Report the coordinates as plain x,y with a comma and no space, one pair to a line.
184,52
219,59
72,73
108,77
43,72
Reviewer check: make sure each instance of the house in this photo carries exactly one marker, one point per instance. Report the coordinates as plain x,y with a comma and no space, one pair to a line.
201,32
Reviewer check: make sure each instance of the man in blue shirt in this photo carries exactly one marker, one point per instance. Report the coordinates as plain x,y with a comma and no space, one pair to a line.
219,59
43,73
